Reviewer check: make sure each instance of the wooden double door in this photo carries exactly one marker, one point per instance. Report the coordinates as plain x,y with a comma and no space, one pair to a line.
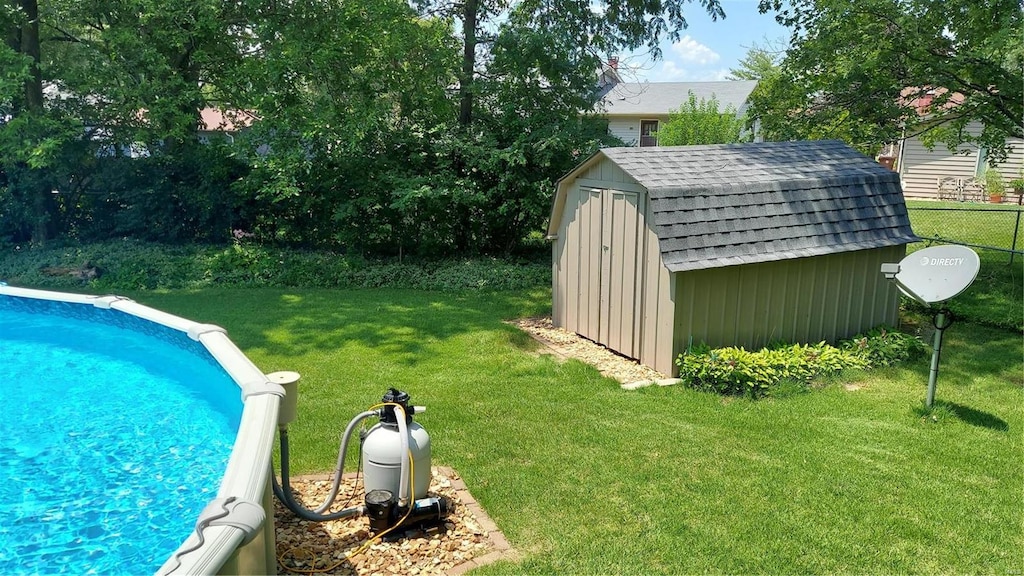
609,269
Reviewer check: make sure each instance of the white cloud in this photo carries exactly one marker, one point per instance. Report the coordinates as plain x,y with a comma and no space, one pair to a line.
714,75
670,71
690,50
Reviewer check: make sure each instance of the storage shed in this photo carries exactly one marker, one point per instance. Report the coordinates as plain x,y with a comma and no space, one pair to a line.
729,245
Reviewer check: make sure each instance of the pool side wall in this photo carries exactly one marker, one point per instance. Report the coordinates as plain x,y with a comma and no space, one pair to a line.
236,544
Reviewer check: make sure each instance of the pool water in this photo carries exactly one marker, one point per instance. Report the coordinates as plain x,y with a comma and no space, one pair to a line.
112,442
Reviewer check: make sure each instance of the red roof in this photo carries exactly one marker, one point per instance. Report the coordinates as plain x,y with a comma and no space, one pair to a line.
217,120
921,99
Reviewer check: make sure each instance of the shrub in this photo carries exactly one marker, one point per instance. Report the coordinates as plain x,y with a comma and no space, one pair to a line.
884,346
130,265
741,372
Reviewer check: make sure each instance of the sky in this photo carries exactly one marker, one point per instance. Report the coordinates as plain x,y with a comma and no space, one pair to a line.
707,50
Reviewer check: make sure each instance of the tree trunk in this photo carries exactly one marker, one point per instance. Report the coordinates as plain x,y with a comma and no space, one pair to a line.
43,203
30,48
469,14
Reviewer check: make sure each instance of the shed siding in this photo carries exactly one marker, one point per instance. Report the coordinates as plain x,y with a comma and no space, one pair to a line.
802,300
619,275
657,309
599,255
589,275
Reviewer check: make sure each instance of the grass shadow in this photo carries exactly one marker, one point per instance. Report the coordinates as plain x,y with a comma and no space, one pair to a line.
943,411
401,324
974,417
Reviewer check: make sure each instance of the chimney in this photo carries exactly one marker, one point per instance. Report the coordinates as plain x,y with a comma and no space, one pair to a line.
613,62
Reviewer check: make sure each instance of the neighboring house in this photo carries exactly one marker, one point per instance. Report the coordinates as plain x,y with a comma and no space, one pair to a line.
214,122
659,248
636,110
927,174
923,172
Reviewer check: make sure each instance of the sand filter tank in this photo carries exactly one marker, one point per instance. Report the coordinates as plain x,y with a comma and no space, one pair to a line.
396,471
383,450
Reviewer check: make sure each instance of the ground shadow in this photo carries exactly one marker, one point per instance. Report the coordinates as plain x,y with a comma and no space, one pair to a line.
401,324
974,417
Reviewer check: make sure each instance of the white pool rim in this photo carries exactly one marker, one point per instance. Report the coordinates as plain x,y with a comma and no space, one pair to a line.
244,486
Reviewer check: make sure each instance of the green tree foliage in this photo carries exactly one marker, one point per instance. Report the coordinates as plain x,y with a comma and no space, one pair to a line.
525,76
118,76
702,123
27,137
371,126
856,69
760,63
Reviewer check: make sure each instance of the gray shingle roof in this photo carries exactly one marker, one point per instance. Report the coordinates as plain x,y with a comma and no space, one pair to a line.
658,98
735,204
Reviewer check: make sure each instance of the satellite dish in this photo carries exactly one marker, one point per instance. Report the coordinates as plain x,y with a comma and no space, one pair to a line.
931,276
935,274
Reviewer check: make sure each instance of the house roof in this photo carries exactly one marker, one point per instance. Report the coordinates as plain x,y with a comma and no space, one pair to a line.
215,120
725,205
659,98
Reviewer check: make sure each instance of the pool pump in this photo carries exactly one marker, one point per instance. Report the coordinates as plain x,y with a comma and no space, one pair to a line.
396,468
385,512
385,478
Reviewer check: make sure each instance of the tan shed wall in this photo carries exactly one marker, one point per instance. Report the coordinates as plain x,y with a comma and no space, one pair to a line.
802,300
608,283
658,307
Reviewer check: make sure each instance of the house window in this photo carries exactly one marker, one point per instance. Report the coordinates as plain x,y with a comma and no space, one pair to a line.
648,131
982,163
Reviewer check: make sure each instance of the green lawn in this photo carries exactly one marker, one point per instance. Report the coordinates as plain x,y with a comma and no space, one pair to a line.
583,477
981,224
997,295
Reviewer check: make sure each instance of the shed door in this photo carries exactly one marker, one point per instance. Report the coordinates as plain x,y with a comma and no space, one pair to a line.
610,261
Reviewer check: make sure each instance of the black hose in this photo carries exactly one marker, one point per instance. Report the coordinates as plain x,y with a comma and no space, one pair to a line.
947,314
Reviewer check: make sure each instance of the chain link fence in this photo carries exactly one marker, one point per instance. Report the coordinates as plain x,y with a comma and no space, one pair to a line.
996,233
996,228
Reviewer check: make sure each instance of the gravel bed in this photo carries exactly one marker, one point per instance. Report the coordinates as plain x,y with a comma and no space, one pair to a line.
570,345
328,547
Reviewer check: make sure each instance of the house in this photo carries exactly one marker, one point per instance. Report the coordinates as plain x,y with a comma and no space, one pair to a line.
218,123
658,248
636,110
939,173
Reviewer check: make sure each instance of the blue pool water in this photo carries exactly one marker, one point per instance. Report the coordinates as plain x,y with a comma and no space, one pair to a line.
112,440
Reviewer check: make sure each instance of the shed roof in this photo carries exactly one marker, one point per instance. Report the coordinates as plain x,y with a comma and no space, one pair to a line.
725,205
659,98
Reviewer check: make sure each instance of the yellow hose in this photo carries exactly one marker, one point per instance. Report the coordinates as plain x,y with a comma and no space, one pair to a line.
368,543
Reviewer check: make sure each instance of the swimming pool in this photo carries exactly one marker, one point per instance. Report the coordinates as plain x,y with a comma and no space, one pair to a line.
125,430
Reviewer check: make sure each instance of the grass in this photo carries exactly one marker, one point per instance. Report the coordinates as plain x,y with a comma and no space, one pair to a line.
980,224
996,297
583,477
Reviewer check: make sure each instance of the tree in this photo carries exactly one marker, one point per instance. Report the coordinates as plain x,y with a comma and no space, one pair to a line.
27,136
701,123
525,80
870,71
760,63
348,96
590,28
